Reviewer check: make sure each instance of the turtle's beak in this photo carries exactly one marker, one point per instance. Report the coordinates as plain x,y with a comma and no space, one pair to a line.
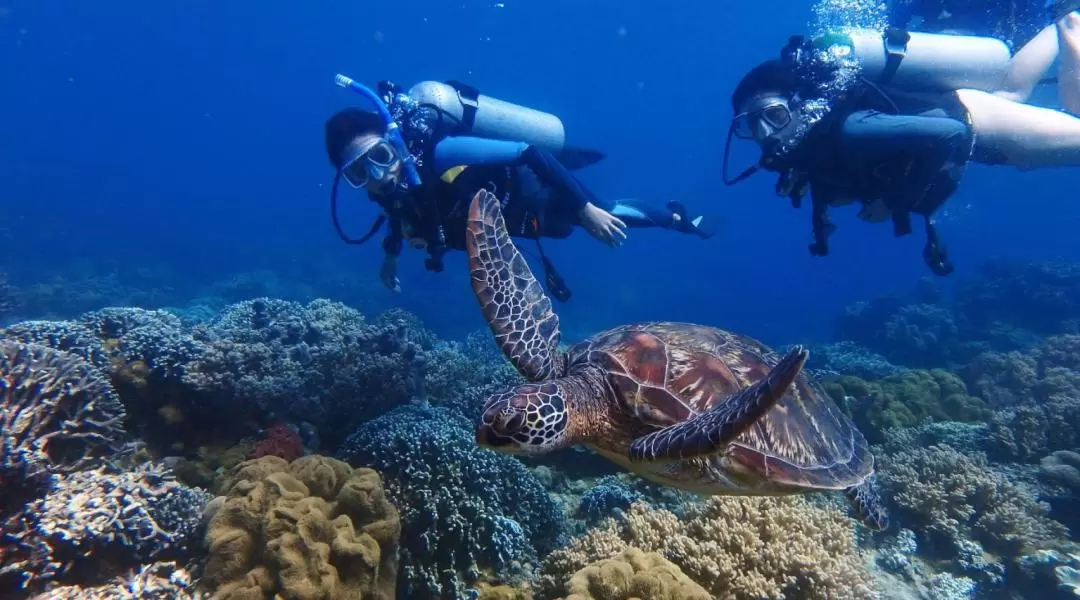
488,438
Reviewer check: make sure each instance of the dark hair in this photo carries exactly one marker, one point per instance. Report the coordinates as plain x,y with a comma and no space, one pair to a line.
344,126
769,76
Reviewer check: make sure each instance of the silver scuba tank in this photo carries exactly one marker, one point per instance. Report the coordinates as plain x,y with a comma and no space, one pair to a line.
475,114
924,62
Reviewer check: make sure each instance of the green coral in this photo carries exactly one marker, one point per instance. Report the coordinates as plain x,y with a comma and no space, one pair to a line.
906,399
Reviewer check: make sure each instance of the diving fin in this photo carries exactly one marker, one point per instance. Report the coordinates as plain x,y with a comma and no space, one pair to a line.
704,226
578,158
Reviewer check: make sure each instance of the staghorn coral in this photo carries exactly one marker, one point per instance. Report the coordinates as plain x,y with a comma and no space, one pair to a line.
57,414
94,520
849,358
949,497
157,581
465,510
311,529
737,548
631,575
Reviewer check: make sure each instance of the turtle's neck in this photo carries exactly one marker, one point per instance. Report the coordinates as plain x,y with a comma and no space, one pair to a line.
585,391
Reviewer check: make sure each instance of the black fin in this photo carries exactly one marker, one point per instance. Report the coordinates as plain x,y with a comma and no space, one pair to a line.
578,158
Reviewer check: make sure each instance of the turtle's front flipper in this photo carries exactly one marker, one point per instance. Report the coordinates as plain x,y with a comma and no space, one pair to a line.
714,429
514,304
867,504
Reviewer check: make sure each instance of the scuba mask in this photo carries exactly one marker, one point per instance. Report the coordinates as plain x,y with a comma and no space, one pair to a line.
372,163
774,124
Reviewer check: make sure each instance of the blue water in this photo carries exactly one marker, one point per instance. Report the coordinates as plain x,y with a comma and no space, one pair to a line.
187,137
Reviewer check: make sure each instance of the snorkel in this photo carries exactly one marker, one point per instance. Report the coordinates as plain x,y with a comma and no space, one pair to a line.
393,131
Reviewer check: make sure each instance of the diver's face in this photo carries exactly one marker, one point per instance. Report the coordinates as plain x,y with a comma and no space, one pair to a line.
763,117
372,164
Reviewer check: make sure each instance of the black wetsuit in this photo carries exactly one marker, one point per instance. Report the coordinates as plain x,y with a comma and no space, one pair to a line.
905,151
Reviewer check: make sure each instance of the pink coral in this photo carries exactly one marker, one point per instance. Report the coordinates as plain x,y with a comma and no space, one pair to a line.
281,442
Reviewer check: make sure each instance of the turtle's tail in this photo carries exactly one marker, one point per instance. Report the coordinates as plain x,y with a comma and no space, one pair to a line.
867,504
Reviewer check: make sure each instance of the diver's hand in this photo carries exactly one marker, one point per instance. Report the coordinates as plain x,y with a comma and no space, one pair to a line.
602,225
388,273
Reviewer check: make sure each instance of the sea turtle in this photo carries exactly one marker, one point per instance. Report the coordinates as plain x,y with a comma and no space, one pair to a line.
684,405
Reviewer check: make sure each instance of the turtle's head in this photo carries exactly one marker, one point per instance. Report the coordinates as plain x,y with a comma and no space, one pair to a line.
529,419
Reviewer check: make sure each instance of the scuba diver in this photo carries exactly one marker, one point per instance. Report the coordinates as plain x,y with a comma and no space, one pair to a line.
889,120
541,196
1036,30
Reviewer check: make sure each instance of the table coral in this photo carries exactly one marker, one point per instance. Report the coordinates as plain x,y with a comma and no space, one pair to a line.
737,548
157,581
312,529
632,575
57,413
98,521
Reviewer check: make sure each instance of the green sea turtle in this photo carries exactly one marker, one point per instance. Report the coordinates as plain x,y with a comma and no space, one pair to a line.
688,406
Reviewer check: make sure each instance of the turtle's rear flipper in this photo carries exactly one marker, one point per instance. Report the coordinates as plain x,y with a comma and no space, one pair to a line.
714,429
867,505
514,304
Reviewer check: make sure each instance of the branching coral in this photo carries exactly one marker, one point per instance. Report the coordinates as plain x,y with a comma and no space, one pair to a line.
313,529
631,575
736,548
57,414
90,518
464,509
948,497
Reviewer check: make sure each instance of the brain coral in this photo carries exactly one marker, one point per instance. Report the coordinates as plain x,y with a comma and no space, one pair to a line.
736,548
311,529
633,574
56,412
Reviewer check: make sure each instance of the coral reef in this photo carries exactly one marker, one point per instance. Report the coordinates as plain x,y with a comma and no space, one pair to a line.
57,414
905,399
99,521
737,548
156,581
849,358
949,498
311,529
1036,296
633,574
465,510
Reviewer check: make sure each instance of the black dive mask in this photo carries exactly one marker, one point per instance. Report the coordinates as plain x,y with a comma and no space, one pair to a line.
773,126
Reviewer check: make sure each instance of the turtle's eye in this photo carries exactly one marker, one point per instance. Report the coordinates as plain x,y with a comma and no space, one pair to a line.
508,424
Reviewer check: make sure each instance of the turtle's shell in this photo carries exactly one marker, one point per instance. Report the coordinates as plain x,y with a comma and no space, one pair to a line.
664,373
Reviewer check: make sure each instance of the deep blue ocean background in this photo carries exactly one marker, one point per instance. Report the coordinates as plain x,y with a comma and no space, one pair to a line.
185,139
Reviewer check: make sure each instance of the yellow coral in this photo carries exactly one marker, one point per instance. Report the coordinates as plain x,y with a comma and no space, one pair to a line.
313,529
736,548
633,575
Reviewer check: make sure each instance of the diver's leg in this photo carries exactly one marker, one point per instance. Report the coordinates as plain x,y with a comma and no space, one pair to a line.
1029,65
1022,135
1068,30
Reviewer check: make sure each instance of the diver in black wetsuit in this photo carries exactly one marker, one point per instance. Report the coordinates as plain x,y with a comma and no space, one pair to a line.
896,156
541,197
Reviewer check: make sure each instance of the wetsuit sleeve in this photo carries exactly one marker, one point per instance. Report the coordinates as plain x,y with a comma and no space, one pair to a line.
392,242
549,171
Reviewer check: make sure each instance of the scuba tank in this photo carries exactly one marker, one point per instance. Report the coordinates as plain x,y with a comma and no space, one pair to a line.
466,111
921,62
